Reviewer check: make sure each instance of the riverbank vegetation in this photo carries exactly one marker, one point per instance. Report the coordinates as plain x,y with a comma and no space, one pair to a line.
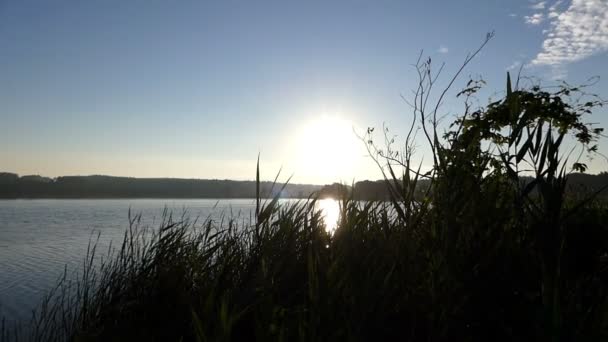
481,253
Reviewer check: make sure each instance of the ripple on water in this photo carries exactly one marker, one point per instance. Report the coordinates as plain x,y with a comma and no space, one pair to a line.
38,238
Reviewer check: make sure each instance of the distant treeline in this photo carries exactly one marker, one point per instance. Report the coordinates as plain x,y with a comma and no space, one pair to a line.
578,183
34,186
13,186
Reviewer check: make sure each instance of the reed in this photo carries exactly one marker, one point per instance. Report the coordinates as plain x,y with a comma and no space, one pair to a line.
378,277
477,253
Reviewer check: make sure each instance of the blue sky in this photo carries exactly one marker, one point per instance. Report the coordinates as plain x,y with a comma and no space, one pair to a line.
196,89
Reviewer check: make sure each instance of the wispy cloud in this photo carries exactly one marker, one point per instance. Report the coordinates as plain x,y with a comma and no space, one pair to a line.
574,34
512,15
535,18
443,49
554,10
539,5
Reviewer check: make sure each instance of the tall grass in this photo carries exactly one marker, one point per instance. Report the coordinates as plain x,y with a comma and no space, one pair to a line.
475,277
476,255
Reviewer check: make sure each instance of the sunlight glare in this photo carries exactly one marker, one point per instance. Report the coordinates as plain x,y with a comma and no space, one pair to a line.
327,149
331,213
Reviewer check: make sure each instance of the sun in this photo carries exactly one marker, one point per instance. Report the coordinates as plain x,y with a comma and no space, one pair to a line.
327,149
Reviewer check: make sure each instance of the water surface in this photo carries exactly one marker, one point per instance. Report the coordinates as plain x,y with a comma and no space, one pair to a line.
40,238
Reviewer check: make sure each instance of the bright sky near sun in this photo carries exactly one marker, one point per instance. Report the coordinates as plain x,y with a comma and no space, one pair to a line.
196,89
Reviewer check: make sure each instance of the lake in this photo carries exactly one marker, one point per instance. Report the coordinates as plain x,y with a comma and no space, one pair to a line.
40,238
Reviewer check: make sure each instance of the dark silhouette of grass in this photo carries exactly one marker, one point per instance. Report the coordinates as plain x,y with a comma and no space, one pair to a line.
379,277
477,254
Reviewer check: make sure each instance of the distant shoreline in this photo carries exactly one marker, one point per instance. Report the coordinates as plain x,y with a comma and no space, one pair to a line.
13,186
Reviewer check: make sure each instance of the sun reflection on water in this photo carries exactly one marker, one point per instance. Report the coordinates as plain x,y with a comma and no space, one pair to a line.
331,213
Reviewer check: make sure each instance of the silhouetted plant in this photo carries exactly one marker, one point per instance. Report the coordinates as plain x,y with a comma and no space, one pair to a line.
485,245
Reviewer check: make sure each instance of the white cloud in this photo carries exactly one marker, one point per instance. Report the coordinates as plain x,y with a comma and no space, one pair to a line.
553,10
443,49
534,19
512,15
576,33
539,5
